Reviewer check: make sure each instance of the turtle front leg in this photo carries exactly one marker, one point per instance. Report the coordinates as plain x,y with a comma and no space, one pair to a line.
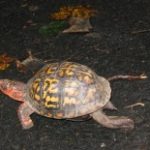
24,113
113,122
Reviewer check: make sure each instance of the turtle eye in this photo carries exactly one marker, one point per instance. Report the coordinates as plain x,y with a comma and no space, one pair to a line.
4,86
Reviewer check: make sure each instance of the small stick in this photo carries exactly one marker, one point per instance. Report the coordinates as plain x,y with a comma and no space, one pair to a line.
30,54
134,105
128,77
140,31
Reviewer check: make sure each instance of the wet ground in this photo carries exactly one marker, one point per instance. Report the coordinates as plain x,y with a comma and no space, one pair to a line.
119,44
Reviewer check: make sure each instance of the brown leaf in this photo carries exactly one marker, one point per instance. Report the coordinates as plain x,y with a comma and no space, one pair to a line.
80,11
5,61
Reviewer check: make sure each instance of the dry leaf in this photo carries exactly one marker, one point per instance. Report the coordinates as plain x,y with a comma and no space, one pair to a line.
74,11
4,66
78,18
5,61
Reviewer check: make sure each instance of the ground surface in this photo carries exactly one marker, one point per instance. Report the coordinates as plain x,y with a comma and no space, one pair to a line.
113,48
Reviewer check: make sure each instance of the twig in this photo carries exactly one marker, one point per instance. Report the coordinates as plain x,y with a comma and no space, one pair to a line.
128,77
140,31
134,105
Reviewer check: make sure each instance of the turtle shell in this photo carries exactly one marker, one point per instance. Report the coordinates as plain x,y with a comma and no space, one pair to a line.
67,90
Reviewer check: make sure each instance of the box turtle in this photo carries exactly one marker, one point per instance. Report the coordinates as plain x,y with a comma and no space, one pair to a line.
63,91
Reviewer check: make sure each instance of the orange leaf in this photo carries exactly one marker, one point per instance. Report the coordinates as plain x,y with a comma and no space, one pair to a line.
74,11
5,61
4,66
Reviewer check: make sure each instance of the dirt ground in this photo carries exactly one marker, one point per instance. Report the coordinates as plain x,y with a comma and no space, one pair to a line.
119,44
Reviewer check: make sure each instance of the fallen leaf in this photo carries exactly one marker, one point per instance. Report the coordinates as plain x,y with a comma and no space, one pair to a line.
4,66
5,61
78,17
66,12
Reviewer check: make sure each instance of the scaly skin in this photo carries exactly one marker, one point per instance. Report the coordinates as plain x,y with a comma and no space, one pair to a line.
16,90
24,113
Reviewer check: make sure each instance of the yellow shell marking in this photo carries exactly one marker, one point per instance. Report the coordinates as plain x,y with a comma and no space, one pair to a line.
71,91
53,89
59,115
69,72
80,77
90,94
45,85
51,81
71,84
67,65
35,89
49,115
61,73
35,85
88,79
38,89
69,101
50,102
51,84
52,99
50,70
85,77
37,97
44,94
50,105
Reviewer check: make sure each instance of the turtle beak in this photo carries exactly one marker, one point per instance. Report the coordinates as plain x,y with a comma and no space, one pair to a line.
11,89
5,86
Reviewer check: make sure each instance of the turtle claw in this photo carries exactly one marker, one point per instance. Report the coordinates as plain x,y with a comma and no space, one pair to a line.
26,123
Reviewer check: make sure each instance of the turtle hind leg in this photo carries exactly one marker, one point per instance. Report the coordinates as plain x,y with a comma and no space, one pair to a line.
81,118
24,113
113,122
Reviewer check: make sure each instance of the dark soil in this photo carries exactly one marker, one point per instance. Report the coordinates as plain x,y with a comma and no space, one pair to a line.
114,47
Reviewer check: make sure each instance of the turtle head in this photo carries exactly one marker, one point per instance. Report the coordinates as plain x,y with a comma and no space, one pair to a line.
13,89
